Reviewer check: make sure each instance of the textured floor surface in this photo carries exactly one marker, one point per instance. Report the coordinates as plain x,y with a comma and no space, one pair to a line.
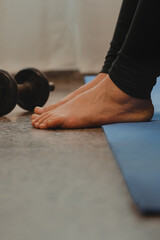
63,185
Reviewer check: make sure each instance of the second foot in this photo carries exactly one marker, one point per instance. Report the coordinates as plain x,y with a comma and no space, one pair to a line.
104,103
85,87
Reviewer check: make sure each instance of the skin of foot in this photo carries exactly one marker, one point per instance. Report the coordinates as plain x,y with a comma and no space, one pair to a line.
102,104
85,87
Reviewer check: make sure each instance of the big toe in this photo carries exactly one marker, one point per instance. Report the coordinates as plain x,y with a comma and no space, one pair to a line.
34,116
38,110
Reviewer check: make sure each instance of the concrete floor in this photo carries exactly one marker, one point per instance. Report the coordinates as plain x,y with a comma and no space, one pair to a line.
64,184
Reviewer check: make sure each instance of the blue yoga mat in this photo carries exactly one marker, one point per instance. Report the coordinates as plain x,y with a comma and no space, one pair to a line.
136,147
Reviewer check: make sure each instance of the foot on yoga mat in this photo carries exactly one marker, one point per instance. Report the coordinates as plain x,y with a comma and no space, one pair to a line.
136,147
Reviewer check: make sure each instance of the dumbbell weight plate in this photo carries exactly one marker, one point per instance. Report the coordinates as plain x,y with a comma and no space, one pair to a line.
8,93
33,88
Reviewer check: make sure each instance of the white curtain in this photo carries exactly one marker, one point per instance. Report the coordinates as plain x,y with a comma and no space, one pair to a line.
56,34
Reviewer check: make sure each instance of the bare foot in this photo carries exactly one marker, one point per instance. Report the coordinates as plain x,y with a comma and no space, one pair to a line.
85,87
102,104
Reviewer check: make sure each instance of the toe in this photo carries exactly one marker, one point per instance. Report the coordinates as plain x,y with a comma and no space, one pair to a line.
38,110
33,121
51,107
54,122
43,118
34,116
39,120
36,124
43,126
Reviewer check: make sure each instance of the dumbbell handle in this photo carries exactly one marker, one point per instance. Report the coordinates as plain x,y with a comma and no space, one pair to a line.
27,87
51,86
27,91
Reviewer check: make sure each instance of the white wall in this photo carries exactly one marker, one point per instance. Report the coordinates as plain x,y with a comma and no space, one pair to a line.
56,34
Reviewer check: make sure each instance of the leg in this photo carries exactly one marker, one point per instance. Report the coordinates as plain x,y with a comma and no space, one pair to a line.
124,20
126,97
126,14
135,69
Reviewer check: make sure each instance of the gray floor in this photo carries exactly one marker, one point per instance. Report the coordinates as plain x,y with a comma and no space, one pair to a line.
63,184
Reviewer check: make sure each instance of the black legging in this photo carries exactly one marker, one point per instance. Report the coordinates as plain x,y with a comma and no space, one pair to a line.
133,60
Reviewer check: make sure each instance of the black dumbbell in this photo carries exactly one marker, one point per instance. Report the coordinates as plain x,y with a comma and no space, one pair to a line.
29,88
